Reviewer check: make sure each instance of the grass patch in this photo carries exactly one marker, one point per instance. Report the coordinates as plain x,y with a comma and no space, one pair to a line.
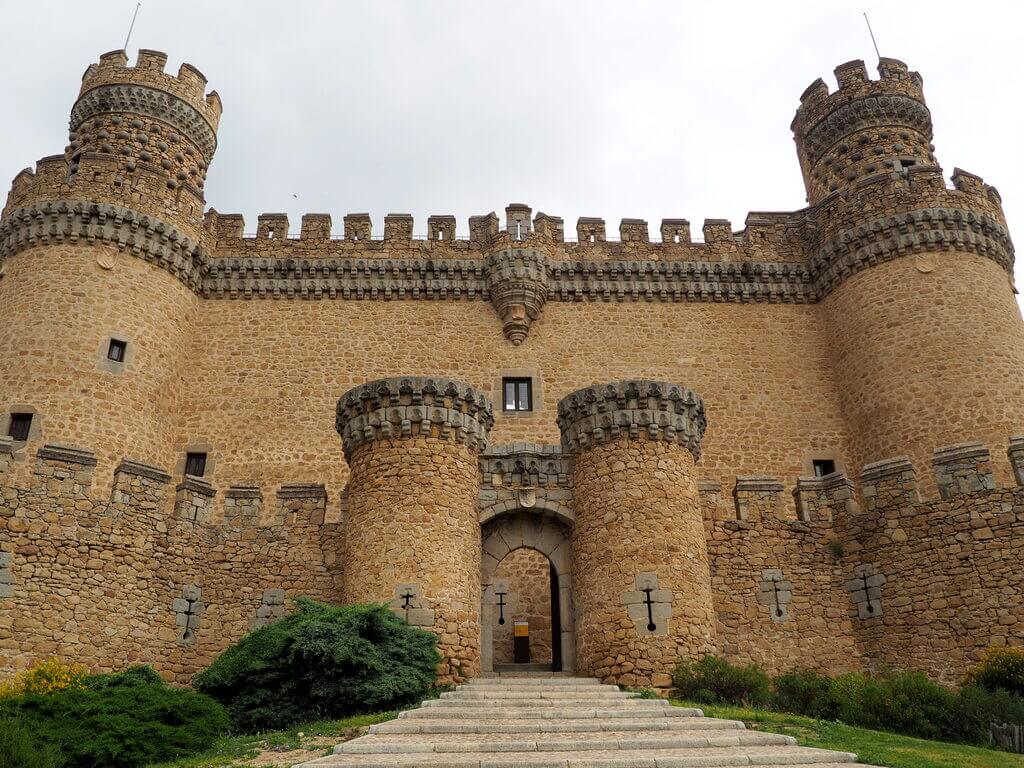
231,750
872,747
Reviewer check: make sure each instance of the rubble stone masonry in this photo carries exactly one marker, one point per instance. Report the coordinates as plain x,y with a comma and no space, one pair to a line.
845,492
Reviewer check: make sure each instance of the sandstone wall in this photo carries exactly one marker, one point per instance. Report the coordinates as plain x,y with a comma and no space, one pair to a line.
59,306
928,350
528,573
105,571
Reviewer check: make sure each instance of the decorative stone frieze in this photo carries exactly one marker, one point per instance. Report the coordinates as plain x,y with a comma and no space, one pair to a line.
525,476
775,593
1016,455
71,221
140,100
517,282
272,608
865,590
889,483
872,111
401,407
648,607
821,498
963,468
603,412
6,575
188,610
890,237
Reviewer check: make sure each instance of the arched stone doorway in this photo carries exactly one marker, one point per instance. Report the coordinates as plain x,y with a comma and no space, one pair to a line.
509,533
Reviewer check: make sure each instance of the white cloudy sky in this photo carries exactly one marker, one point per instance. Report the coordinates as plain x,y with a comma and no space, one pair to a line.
626,108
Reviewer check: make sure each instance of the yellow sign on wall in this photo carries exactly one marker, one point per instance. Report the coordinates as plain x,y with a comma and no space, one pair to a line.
522,629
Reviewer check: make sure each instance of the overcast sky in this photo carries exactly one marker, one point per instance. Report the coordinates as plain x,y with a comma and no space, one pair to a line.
632,108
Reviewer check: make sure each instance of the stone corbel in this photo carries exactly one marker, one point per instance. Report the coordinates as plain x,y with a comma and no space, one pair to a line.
518,281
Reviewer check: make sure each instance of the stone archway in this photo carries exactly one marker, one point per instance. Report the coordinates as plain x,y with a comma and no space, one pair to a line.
506,533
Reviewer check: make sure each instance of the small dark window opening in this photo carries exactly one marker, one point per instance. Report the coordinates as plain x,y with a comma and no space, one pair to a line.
518,394
21,424
116,350
195,464
823,467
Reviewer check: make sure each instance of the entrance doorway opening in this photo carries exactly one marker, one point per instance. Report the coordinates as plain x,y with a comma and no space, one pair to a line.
526,616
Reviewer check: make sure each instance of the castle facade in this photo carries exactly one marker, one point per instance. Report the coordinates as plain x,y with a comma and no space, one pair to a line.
794,444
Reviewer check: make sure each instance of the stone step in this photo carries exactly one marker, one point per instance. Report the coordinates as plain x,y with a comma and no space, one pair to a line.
555,742
482,689
533,680
546,693
593,725
642,708
707,757
604,702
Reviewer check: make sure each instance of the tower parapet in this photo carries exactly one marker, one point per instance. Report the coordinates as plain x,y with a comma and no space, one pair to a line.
864,128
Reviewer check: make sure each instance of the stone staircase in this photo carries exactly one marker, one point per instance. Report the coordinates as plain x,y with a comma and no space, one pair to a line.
566,722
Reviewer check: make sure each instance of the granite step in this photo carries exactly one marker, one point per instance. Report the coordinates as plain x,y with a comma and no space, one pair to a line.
541,723
592,725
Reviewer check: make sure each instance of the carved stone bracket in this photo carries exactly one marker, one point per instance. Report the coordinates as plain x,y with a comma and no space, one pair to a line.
518,283
390,409
603,412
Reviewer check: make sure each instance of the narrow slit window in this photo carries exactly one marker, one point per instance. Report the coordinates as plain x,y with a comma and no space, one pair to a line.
195,464
116,350
823,467
518,394
21,425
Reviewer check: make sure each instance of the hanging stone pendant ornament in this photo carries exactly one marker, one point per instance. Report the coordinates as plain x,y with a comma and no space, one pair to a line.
517,282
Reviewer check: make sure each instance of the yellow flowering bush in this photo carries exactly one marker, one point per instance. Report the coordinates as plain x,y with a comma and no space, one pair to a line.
999,669
44,678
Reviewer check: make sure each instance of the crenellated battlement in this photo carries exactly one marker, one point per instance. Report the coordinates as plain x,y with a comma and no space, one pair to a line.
894,79
188,85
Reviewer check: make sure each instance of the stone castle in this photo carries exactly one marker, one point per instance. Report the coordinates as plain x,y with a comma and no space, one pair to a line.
792,444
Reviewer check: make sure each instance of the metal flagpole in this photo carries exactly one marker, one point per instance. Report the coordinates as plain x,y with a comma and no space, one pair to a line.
871,32
130,28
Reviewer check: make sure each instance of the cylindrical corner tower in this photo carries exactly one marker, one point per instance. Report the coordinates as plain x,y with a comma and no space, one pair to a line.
412,529
101,263
640,563
914,278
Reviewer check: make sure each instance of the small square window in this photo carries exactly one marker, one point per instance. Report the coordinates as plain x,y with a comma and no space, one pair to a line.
518,394
823,467
21,425
116,350
195,464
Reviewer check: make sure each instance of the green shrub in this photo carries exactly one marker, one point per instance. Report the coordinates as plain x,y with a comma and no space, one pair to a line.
322,662
20,749
715,681
120,721
1000,669
805,692
908,703
976,709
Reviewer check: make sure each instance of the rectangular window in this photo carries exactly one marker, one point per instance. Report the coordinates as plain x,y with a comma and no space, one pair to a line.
823,467
116,350
21,425
195,464
518,394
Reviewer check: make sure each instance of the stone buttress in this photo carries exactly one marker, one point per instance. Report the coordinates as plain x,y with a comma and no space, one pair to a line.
412,531
640,564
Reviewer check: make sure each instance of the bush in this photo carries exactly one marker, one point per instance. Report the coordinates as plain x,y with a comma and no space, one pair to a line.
715,681
120,721
805,692
322,662
1000,669
43,678
908,703
976,709
19,749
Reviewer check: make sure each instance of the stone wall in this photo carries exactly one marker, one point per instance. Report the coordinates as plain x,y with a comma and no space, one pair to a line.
102,571
528,575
